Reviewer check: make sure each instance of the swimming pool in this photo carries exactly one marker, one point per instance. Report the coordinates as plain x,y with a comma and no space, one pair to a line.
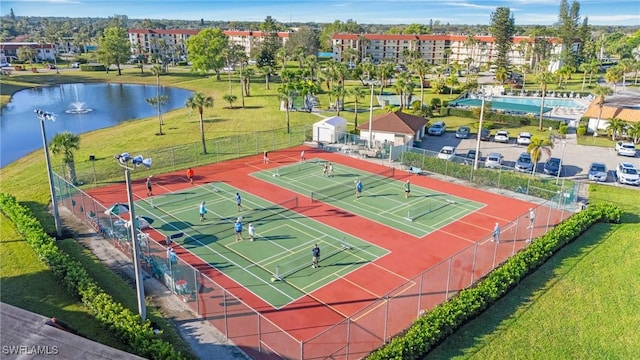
535,101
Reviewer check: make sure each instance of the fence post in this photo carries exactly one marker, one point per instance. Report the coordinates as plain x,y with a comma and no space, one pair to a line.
420,294
513,248
386,319
226,318
196,291
446,294
473,265
548,217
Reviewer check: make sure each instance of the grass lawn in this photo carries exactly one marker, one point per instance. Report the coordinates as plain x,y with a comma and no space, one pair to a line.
26,178
581,304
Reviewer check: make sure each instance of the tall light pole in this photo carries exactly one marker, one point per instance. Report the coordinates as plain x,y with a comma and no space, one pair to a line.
475,160
370,117
564,143
43,115
129,163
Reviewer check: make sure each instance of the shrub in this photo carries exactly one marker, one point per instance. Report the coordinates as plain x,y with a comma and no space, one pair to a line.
582,130
564,129
92,67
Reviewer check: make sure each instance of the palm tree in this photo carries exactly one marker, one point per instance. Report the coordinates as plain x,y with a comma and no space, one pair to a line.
65,143
282,56
245,79
544,78
613,76
600,93
339,92
536,148
285,93
357,93
634,132
199,101
158,100
451,82
626,65
421,69
230,99
501,75
616,126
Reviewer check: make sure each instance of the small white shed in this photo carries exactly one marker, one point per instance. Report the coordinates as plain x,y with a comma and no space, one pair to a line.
330,130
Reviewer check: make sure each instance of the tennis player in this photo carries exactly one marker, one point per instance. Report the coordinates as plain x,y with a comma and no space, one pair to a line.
358,188
190,175
532,218
238,229
252,231
203,210
149,186
496,233
330,170
325,168
239,201
302,158
407,189
265,157
315,253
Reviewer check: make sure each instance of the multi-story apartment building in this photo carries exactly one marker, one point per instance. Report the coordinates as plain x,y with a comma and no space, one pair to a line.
434,49
151,41
41,52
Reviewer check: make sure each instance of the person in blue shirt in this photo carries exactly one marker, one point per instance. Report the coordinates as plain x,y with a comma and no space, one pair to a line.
239,201
238,228
358,188
203,210
496,233
315,253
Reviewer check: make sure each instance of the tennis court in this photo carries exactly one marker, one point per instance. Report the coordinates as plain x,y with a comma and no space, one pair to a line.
382,200
276,267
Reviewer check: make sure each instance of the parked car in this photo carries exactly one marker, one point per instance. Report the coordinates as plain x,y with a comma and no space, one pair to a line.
524,163
5,64
485,134
75,65
494,160
447,153
627,174
524,138
598,172
470,157
552,166
626,149
438,128
463,132
501,136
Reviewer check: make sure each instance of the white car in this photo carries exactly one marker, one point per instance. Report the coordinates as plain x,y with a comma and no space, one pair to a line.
627,174
494,160
626,149
501,136
447,153
598,172
524,138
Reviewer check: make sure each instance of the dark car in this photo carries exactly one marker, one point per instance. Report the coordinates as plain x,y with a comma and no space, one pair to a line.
485,135
552,166
470,157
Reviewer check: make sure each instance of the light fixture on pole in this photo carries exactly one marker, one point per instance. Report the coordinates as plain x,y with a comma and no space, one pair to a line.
564,143
128,163
42,116
370,117
477,156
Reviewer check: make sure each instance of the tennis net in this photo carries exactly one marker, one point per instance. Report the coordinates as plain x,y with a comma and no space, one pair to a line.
289,267
343,190
431,206
300,167
166,200
260,214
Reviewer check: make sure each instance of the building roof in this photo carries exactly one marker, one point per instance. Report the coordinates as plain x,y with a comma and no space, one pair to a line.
28,334
396,122
623,106
281,34
335,121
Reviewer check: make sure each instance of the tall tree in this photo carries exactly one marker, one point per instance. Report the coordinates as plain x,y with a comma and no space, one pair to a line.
206,50
600,93
199,101
544,79
569,23
158,100
616,127
285,94
536,148
502,28
114,47
65,143
357,93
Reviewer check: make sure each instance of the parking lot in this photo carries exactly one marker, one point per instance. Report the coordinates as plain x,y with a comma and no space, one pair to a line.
576,158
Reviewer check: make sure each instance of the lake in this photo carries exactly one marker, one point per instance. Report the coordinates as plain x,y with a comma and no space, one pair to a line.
78,108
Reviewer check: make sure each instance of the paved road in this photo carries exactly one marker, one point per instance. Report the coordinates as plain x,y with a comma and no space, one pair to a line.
576,158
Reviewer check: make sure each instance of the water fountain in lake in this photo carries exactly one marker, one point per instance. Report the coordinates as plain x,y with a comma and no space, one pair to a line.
78,108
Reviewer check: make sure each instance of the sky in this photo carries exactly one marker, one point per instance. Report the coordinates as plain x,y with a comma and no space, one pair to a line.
472,12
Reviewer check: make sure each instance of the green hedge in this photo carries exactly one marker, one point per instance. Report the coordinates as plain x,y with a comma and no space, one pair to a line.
444,319
504,119
92,67
117,319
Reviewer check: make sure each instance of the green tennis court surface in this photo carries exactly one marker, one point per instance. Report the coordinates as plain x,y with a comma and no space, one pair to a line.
277,265
382,198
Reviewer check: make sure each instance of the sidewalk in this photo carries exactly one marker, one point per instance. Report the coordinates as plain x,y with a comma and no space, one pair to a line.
205,340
